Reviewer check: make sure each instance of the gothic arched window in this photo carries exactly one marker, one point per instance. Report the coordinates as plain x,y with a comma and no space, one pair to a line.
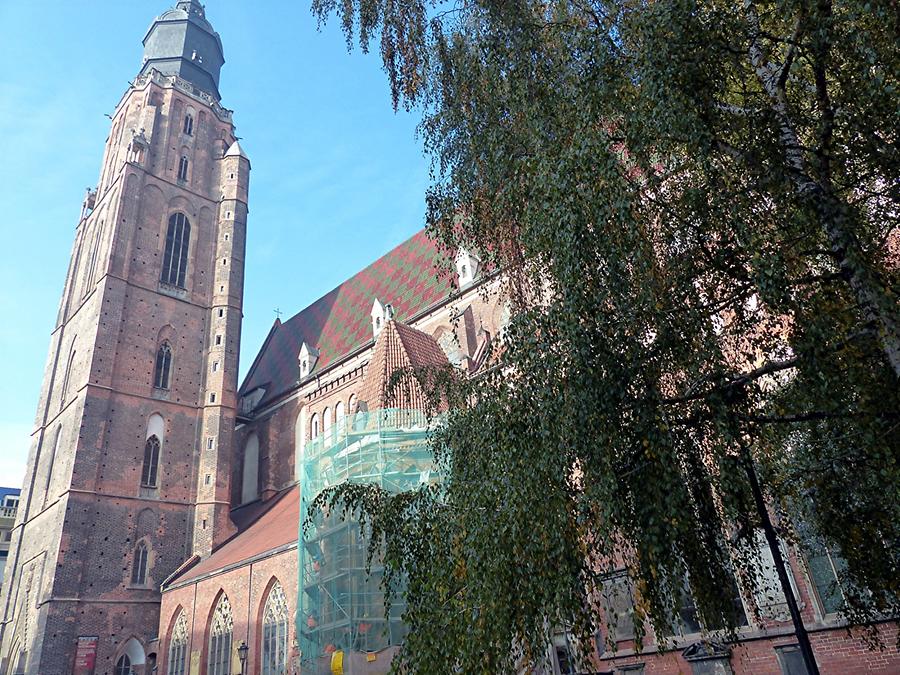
183,168
275,632
188,125
123,665
314,426
151,462
139,565
163,366
178,236
178,647
220,632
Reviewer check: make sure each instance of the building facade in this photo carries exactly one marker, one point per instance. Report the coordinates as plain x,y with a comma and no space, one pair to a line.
158,526
122,484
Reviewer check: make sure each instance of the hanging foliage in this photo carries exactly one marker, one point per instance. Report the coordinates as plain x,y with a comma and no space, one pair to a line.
695,207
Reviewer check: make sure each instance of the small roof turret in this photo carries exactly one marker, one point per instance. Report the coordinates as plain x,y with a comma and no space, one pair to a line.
236,151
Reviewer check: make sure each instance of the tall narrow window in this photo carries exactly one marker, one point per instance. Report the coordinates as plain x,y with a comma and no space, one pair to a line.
189,125
139,565
123,665
151,462
178,236
275,632
64,392
826,567
178,647
50,462
220,635
163,366
250,478
314,426
95,252
619,604
183,168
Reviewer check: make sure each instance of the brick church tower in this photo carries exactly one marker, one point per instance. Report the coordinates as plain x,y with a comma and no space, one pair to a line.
129,468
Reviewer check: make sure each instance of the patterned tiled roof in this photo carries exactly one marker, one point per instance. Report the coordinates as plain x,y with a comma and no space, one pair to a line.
399,346
412,277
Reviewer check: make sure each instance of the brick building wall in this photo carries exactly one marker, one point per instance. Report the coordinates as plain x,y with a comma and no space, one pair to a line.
85,508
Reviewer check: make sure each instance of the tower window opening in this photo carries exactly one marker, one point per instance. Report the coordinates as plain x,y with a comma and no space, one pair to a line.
209,443
139,565
221,313
163,366
183,168
189,125
218,339
212,398
151,462
178,238
215,366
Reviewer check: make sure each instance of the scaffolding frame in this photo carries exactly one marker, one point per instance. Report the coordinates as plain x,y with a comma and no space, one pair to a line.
341,607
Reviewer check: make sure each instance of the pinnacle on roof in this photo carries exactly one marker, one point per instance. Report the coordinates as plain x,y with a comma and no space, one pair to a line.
235,150
182,42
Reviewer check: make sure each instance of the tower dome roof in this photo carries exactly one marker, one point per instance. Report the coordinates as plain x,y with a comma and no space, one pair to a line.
182,42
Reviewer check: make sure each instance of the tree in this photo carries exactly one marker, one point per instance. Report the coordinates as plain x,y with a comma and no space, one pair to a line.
695,208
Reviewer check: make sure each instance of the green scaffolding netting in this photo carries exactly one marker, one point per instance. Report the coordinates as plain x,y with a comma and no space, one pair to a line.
342,608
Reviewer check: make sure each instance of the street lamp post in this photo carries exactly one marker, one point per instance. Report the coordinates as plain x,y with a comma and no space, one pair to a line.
242,655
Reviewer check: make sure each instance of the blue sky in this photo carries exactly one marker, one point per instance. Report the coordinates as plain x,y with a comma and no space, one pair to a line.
338,178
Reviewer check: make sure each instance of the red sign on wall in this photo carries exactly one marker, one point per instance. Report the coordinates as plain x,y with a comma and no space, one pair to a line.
85,656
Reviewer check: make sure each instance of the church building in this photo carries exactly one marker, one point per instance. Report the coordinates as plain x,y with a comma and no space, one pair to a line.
157,531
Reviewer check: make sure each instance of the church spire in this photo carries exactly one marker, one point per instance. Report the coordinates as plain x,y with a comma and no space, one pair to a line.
182,42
